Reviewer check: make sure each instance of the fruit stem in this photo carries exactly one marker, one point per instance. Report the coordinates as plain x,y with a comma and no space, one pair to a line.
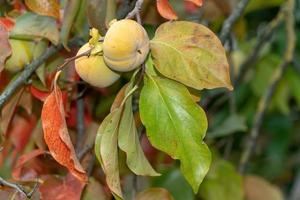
68,60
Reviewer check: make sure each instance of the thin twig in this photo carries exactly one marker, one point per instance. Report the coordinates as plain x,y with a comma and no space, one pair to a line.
80,120
267,97
18,187
68,60
262,40
136,11
29,70
232,19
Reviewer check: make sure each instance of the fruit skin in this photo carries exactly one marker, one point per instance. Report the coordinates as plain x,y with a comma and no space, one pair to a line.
21,55
125,45
93,70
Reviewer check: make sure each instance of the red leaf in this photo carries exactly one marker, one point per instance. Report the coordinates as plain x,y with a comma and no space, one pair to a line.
5,50
196,2
41,95
56,134
16,173
21,130
7,23
190,7
165,9
68,189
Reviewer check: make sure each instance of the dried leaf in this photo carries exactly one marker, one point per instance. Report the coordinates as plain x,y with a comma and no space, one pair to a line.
5,50
67,189
8,111
165,9
56,134
44,7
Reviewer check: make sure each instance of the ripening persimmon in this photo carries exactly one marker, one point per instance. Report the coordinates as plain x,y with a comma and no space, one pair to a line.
93,70
125,45
20,56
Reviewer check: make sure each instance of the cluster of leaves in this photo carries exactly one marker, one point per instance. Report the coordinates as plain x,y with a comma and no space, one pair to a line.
150,117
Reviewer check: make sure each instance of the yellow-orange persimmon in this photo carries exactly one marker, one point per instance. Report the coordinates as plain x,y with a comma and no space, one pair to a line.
125,46
93,70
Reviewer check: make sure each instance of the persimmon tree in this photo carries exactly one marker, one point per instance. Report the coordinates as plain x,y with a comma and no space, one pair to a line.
95,101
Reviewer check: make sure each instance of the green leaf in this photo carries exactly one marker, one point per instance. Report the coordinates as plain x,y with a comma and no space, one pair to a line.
39,49
31,25
175,183
176,125
70,13
129,141
191,54
232,124
106,149
222,182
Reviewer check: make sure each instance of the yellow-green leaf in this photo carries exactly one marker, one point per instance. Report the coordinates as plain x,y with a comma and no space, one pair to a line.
129,141
176,125
191,54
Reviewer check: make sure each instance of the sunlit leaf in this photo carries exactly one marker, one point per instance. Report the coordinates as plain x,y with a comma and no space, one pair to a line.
31,25
176,125
165,9
56,134
154,194
5,50
44,7
191,54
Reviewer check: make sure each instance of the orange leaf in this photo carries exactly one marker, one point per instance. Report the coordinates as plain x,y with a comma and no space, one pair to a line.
44,7
196,2
16,173
56,134
165,9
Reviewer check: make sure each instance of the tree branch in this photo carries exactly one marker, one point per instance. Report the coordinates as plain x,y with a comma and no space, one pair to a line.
277,76
29,70
136,11
232,19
